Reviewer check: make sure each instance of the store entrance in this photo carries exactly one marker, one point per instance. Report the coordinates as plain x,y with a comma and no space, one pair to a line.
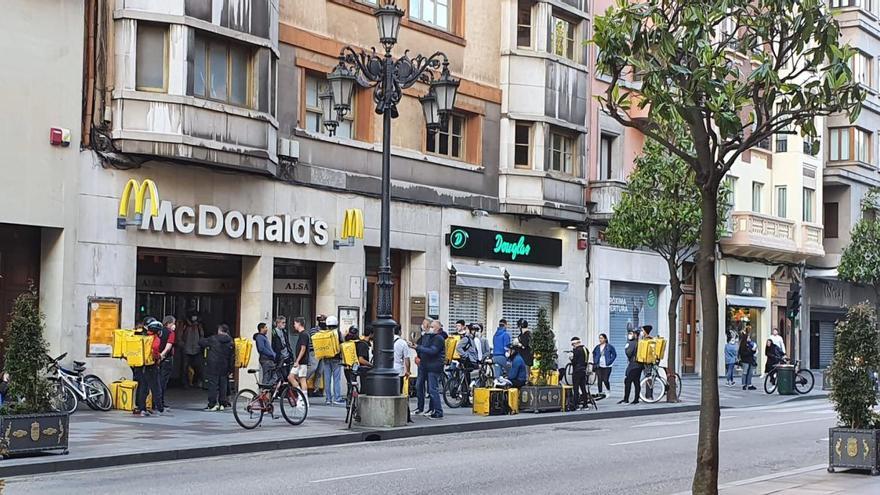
372,276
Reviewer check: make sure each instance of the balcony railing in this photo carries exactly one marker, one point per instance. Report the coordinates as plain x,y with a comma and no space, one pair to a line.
765,236
605,195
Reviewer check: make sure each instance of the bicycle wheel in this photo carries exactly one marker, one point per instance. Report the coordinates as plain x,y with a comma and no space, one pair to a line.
653,389
804,381
97,394
677,379
247,407
351,409
452,393
62,399
770,382
294,406
566,377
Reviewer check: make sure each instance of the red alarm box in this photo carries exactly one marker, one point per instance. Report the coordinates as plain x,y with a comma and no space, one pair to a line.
59,136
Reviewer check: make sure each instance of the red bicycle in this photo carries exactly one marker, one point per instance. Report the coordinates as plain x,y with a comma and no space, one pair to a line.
249,407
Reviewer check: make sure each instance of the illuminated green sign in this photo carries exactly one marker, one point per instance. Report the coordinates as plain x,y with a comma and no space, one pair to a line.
503,246
514,249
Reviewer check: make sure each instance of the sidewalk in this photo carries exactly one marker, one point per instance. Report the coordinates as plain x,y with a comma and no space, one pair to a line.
100,439
812,480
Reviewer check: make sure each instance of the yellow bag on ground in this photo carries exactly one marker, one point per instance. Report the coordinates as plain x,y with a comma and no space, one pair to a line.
452,347
124,394
119,336
512,400
243,348
491,401
326,344
349,353
138,350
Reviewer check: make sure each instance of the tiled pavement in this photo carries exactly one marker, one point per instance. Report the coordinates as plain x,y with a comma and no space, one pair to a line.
813,480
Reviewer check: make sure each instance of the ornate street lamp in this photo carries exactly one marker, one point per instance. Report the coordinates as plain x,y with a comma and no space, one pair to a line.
389,77
328,113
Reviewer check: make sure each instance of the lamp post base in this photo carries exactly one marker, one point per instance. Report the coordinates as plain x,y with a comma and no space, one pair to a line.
382,412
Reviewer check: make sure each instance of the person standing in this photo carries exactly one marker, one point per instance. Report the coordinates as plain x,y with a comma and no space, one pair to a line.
525,340
265,353
300,371
281,346
433,356
316,366
148,375
730,353
402,365
219,364
422,376
165,348
604,355
332,368
777,340
190,335
633,369
579,359
500,348
468,359
747,351
774,356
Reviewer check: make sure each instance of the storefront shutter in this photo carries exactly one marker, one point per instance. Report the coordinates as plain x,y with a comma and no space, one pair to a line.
466,303
826,342
525,304
628,306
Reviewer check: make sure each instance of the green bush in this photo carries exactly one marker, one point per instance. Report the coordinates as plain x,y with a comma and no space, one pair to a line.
544,347
26,359
856,357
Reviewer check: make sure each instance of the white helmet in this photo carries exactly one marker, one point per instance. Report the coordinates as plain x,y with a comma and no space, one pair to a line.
332,321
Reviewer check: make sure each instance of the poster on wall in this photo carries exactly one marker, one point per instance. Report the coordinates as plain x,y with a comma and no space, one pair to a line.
630,306
349,316
104,317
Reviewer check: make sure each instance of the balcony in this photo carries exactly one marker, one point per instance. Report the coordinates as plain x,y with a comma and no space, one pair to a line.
604,195
756,235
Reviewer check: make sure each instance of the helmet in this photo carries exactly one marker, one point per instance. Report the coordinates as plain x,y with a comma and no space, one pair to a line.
154,326
332,321
148,320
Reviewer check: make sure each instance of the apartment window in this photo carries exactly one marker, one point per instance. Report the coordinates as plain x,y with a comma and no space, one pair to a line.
562,38
731,187
150,65
809,198
561,153
314,115
606,158
522,145
450,140
781,143
434,12
764,144
861,68
222,70
524,24
757,192
838,144
830,211
862,146
782,202
849,143
808,147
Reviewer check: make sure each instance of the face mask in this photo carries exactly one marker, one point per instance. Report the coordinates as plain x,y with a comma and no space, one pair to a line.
507,354
630,337
194,318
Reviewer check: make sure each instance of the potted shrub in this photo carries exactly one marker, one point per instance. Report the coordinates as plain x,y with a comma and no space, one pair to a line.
544,394
27,422
856,357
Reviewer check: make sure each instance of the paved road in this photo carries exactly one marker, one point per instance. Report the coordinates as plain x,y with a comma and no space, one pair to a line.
642,455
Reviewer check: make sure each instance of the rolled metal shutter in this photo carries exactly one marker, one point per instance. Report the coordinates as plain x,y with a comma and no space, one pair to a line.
466,303
628,305
525,304
826,343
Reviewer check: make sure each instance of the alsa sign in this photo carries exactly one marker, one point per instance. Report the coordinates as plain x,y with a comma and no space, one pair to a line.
209,220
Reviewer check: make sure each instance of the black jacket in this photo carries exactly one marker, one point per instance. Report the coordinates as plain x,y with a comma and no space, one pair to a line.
746,353
579,359
632,348
528,356
221,354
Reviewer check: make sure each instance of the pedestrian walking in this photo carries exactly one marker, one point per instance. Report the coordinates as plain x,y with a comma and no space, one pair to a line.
331,368
731,350
151,371
579,360
604,355
190,335
299,373
432,352
219,363
500,348
265,353
165,355
747,351
525,340
633,369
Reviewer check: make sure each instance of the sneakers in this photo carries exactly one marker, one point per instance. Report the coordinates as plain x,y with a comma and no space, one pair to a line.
428,414
419,411
435,416
327,403
211,408
752,387
222,408
339,402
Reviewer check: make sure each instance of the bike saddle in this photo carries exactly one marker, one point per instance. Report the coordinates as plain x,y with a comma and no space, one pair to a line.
80,363
253,371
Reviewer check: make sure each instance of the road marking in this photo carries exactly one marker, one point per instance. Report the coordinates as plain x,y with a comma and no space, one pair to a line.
351,476
674,423
752,427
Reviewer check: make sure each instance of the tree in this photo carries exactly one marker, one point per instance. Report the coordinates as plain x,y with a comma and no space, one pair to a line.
544,347
733,73
856,356
660,211
860,261
26,358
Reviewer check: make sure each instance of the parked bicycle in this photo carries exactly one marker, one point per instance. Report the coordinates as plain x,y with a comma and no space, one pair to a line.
803,378
459,385
654,385
352,407
72,386
249,407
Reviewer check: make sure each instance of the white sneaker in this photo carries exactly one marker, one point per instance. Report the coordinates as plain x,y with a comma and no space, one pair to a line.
222,408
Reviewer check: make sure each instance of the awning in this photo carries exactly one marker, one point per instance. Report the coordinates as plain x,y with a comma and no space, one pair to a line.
751,302
489,277
821,272
541,281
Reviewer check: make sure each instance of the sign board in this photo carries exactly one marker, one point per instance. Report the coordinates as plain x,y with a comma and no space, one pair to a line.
349,316
417,310
433,304
104,317
504,246
292,286
187,284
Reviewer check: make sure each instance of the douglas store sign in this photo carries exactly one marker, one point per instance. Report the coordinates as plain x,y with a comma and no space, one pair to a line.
504,246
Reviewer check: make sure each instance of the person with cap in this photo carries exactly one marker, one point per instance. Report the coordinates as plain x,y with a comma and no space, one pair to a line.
148,375
316,366
579,360
500,348
525,339
633,368
480,340
468,358
519,374
332,368
163,347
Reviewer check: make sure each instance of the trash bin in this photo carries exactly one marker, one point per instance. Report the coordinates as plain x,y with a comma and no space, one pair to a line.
785,379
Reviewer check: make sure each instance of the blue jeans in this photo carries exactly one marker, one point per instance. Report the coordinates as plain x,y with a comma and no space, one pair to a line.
747,374
731,369
500,365
434,392
331,368
421,383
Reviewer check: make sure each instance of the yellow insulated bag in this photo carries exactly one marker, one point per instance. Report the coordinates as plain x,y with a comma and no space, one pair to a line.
326,344
124,393
243,348
512,400
452,347
490,401
119,336
138,350
349,353
651,350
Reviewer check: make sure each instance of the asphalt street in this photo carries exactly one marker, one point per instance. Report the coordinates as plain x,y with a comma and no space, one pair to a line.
642,455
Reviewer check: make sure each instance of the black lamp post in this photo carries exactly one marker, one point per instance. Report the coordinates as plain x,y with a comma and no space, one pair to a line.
389,77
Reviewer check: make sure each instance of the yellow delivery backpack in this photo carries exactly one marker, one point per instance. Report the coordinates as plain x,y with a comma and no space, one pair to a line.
119,336
349,353
138,350
326,344
452,347
651,350
124,394
243,349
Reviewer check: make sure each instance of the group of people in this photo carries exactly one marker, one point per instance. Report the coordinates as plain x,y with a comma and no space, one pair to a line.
741,350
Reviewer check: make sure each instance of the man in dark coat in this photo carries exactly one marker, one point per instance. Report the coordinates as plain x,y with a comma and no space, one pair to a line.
633,369
219,364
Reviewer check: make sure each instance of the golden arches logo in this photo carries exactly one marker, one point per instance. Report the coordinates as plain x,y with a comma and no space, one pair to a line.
140,198
353,224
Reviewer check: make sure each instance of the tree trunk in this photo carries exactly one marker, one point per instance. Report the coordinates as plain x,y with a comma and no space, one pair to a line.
675,287
706,475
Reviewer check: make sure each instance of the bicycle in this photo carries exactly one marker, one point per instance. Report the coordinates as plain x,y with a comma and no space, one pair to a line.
458,386
249,407
568,372
803,378
352,410
71,386
654,386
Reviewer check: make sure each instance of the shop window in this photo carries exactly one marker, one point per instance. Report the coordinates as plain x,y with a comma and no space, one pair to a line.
314,120
435,12
757,194
562,38
222,71
151,64
809,200
782,202
449,141
524,24
562,153
522,145
741,320
830,212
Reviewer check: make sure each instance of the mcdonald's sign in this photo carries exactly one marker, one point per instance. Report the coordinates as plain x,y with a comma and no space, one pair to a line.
353,224
140,198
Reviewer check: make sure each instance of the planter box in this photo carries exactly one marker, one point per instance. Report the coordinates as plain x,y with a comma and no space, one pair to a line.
34,433
855,449
540,399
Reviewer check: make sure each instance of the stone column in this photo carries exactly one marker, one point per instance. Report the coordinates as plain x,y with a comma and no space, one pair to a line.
256,306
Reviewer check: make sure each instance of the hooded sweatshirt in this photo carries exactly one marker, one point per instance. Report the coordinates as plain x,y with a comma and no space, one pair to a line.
221,354
500,342
264,347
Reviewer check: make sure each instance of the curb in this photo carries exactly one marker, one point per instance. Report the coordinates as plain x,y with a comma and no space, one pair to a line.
369,435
